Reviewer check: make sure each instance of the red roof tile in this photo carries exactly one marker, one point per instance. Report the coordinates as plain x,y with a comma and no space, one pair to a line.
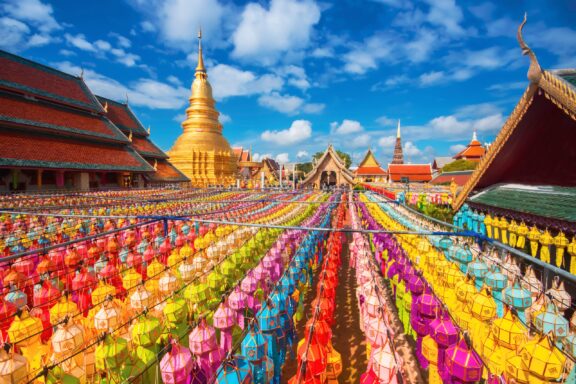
29,150
146,148
165,171
474,150
370,171
245,156
24,76
414,172
46,116
122,116
460,178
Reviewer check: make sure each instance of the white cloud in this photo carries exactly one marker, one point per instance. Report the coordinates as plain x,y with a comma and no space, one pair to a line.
224,118
14,34
313,108
446,14
301,155
387,142
266,35
179,118
67,52
346,127
174,80
228,81
504,87
282,103
411,150
358,141
178,20
103,45
35,12
147,26
142,92
296,76
454,149
300,130
431,78
385,121
123,42
79,41
283,158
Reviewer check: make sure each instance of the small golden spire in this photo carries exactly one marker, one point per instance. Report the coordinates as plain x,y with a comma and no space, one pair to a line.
200,67
106,107
130,136
398,131
155,165
149,129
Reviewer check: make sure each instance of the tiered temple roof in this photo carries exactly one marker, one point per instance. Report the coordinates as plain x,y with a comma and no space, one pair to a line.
123,117
398,157
49,119
369,166
459,177
328,166
473,152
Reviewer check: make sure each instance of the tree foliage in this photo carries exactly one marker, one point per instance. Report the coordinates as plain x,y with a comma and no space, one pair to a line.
459,165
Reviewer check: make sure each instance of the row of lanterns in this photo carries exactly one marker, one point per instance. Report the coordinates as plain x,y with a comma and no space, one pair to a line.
501,341
112,312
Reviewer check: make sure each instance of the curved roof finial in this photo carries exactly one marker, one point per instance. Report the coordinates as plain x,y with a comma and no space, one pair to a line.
398,130
535,71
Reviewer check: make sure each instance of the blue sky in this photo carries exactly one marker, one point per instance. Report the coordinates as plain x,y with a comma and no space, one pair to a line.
291,76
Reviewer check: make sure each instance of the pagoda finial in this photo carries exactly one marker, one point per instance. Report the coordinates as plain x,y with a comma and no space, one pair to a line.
535,71
155,166
200,67
106,107
149,129
474,136
398,130
126,98
130,136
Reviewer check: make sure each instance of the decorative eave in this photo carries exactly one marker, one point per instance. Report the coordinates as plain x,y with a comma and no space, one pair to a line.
558,91
347,174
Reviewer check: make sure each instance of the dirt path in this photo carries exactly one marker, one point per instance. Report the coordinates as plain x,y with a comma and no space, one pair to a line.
347,337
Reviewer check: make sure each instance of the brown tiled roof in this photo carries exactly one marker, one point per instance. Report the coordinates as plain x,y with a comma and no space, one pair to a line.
33,79
19,149
45,116
147,148
460,177
414,172
166,172
123,117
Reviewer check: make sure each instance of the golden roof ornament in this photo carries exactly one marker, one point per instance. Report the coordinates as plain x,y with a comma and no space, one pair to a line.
106,107
155,166
149,129
535,71
130,136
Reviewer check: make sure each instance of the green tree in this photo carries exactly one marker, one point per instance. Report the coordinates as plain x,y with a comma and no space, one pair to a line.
459,165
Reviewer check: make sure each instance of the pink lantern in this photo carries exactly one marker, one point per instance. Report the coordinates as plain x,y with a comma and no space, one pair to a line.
176,365
224,320
462,363
202,339
383,363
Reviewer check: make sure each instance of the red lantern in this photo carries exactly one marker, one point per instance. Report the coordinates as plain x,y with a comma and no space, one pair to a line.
322,333
314,356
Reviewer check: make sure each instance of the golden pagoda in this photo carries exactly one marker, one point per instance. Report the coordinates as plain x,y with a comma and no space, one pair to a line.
201,152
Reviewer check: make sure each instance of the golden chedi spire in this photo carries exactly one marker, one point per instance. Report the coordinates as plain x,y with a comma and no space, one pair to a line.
201,152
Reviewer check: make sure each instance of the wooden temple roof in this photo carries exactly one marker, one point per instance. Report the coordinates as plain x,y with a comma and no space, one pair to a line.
535,147
123,117
330,153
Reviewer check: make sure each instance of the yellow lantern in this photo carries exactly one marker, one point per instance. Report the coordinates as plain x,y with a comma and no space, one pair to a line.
543,359
561,242
154,270
102,291
131,279
25,330
515,369
141,298
493,355
64,308
534,235
334,363
545,240
509,331
107,318
168,283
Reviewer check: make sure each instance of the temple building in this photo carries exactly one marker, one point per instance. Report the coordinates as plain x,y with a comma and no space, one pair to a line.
527,177
398,157
124,118
409,173
369,170
446,178
329,171
55,134
201,152
473,152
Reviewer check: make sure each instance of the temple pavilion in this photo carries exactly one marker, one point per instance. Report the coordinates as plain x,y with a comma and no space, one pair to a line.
201,152
473,151
329,171
525,185
55,133
369,170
